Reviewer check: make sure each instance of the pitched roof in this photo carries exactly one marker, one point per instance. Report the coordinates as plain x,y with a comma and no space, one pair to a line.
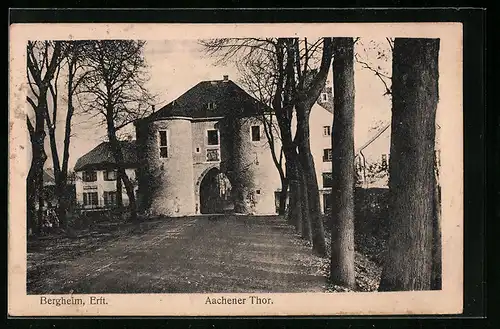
374,137
101,156
228,97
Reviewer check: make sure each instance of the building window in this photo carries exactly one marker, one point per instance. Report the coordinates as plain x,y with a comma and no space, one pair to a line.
327,179
213,155
213,137
163,144
324,97
90,176
90,199
255,133
326,131
211,106
327,203
257,192
197,150
110,175
384,161
110,198
327,155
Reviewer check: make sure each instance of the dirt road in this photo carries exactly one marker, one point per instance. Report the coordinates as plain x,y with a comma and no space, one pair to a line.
186,255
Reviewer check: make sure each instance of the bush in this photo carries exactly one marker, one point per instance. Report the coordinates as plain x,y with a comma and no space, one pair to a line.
371,223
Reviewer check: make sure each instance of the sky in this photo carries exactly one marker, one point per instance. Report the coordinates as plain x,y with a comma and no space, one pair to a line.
177,65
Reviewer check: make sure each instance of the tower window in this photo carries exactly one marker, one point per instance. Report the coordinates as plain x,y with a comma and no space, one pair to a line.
257,191
213,137
211,106
324,97
163,144
326,131
255,133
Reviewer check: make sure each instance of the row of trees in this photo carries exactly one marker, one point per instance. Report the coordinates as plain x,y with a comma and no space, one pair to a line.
106,79
288,75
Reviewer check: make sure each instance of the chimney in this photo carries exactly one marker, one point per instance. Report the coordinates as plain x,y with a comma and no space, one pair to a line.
226,78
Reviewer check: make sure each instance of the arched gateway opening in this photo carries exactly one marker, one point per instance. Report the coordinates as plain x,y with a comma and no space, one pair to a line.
215,193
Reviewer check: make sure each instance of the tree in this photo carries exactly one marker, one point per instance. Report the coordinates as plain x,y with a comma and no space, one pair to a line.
408,265
42,62
310,82
296,85
372,56
115,90
342,216
71,58
279,77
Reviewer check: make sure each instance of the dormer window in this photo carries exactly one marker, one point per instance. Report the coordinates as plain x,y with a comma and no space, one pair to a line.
211,106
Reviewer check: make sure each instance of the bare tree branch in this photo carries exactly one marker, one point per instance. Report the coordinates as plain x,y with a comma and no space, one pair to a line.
377,73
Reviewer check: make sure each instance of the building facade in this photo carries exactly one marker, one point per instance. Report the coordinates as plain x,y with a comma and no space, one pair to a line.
96,182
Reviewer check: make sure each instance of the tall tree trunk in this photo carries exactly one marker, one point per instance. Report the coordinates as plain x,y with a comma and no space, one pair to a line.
119,190
60,182
436,250
311,191
31,197
34,184
408,265
35,175
294,204
64,198
118,155
283,196
342,218
304,204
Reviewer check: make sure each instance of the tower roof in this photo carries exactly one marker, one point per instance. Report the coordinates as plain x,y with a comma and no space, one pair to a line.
208,99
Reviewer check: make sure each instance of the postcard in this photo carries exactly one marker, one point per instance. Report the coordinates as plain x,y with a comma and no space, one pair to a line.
235,169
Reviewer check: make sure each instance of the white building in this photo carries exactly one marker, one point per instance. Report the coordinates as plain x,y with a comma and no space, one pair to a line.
96,183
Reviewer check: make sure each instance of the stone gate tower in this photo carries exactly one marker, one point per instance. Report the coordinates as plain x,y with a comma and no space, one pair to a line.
213,126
